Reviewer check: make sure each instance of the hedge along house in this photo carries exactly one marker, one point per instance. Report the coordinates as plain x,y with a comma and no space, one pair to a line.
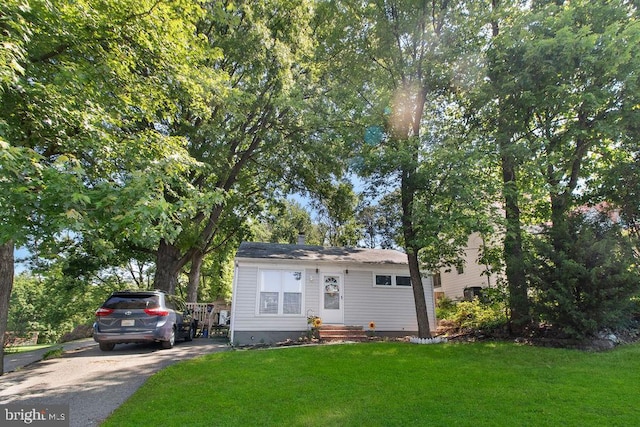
277,287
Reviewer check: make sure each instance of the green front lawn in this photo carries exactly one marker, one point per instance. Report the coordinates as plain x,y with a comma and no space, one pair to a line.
393,384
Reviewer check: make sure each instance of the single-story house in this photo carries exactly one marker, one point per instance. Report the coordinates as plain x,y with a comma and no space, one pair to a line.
277,287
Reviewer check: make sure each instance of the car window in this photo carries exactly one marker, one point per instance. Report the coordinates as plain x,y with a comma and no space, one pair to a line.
132,301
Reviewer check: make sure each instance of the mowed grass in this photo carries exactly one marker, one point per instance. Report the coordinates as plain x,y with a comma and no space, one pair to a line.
393,384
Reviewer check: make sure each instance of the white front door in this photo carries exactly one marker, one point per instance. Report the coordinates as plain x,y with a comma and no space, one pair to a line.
331,300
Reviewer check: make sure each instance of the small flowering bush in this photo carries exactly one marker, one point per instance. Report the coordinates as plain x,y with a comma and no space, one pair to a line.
472,315
314,323
477,315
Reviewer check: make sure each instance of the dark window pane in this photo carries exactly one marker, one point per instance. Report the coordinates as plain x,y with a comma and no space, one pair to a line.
403,281
132,301
383,280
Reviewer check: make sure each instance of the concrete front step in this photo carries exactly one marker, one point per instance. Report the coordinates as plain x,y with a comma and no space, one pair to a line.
331,327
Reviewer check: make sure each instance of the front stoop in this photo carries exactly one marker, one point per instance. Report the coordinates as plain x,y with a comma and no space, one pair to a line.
331,333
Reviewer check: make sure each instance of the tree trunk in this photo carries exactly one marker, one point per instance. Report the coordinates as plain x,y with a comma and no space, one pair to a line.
514,258
424,330
561,201
407,196
6,284
519,316
194,276
559,228
168,266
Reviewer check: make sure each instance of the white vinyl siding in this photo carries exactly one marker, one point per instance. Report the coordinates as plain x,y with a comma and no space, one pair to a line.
392,308
473,274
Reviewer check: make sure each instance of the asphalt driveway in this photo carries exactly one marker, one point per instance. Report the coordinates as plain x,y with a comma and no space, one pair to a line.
94,383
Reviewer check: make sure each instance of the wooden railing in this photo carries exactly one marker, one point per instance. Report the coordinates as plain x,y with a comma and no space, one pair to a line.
209,317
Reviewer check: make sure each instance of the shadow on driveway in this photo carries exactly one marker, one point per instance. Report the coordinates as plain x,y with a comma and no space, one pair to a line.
94,383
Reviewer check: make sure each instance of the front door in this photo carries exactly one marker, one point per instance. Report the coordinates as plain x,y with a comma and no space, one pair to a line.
331,299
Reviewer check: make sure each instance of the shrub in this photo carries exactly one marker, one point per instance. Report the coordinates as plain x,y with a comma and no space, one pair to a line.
479,315
587,285
445,307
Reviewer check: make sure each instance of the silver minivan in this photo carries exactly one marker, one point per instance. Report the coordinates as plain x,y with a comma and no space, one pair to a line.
142,316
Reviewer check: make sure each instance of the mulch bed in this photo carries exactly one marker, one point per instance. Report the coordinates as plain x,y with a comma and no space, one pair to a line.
548,337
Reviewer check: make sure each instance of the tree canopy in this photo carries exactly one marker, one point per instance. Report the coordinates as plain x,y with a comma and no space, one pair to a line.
162,133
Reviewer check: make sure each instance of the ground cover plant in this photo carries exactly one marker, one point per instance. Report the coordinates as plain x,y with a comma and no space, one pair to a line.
393,384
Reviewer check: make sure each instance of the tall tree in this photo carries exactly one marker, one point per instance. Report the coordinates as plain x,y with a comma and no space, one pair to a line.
252,136
337,220
501,103
564,81
80,82
402,61
13,32
285,221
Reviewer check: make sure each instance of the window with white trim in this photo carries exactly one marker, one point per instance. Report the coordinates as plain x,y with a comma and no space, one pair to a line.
280,292
392,280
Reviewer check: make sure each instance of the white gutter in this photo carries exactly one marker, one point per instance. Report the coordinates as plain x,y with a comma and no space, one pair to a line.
233,302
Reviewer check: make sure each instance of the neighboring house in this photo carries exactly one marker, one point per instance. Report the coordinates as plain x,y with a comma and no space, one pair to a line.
466,280
276,287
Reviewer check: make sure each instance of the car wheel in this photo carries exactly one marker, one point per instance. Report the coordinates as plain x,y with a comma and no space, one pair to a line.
106,346
171,341
190,334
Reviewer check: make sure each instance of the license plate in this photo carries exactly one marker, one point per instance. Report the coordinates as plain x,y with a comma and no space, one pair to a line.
128,322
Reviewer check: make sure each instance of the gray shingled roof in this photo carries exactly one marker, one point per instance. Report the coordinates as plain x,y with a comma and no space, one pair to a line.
320,253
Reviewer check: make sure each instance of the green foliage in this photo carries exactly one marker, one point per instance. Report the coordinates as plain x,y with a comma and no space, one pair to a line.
338,223
55,304
587,286
445,308
620,185
24,305
85,116
135,124
284,221
54,353
560,103
480,314
381,222
14,31
217,275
